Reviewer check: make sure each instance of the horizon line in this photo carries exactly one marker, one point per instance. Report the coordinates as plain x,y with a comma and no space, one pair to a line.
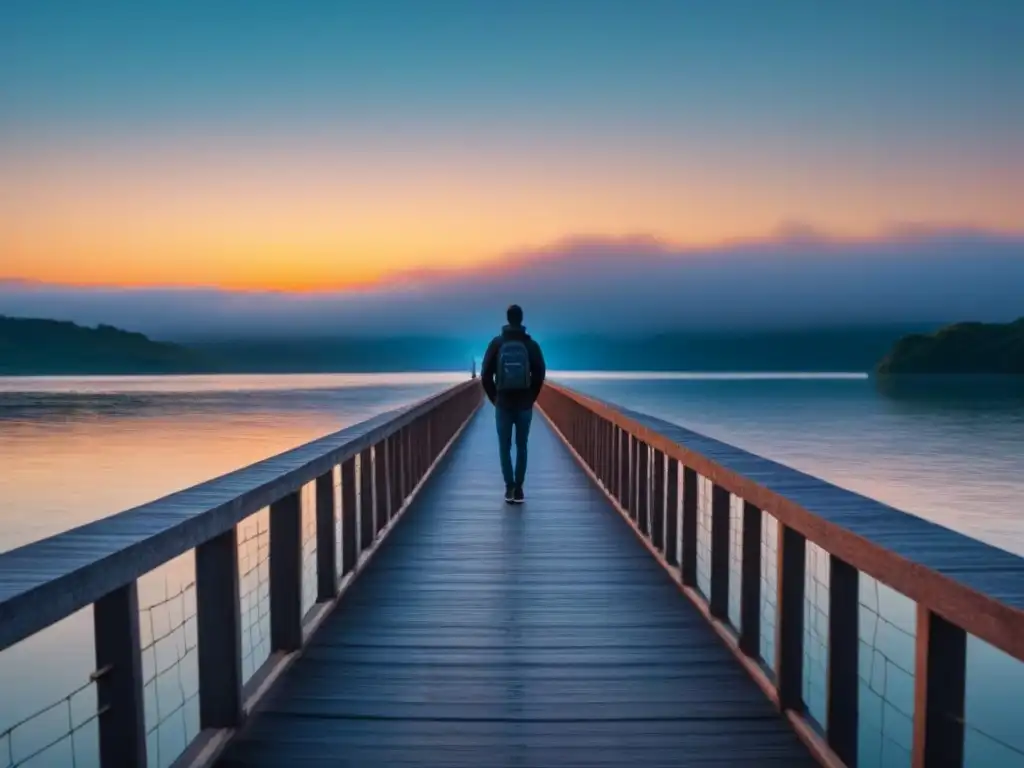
798,235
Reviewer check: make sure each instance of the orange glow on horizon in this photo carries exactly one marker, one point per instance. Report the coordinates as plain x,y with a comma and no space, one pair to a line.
322,218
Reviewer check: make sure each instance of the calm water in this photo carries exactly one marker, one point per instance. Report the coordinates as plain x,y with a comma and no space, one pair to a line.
72,450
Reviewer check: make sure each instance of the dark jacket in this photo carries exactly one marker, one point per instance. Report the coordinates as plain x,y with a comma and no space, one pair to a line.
489,369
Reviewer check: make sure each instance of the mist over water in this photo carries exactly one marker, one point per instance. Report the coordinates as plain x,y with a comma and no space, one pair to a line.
635,285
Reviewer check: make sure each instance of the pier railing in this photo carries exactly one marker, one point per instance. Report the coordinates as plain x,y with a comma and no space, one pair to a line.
790,570
269,550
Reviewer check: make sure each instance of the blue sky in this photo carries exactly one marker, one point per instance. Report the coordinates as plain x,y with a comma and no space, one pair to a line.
897,62
316,146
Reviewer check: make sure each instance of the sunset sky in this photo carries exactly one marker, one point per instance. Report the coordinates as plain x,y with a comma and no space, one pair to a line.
326,145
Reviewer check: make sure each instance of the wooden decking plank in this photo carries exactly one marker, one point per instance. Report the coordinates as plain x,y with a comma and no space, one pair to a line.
483,634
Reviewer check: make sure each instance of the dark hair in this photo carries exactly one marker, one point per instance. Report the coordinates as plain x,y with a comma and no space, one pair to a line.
514,315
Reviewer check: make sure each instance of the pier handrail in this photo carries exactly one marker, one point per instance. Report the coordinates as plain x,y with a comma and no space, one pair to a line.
99,563
961,585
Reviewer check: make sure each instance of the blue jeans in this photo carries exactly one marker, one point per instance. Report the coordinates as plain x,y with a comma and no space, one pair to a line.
507,419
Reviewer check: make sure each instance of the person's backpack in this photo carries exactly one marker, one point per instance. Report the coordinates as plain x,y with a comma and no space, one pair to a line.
513,366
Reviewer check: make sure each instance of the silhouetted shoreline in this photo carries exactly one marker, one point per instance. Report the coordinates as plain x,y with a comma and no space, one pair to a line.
34,347
959,349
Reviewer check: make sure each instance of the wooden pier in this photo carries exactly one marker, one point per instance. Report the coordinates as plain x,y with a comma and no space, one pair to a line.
451,629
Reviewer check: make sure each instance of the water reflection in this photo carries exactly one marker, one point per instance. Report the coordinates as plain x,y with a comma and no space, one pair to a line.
78,449
947,393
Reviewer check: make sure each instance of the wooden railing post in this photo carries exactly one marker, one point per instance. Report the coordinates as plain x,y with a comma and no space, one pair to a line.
939,688
419,448
414,459
595,447
348,515
614,461
366,529
408,471
416,447
843,657
403,463
326,525
750,583
789,645
218,620
381,497
644,485
718,602
623,471
689,564
590,424
286,573
399,468
672,514
122,719
634,476
608,443
658,501
606,452
394,476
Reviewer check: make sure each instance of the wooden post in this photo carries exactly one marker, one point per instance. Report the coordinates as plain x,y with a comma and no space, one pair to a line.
396,479
658,501
394,476
420,447
624,469
348,515
634,460
595,445
366,529
672,514
381,497
286,573
416,446
843,657
718,601
588,439
122,720
789,645
940,670
218,621
750,583
689,564
419,452
326,524
607,443
615,458
402,464
408,482
593,449
602,450
644,484
576,431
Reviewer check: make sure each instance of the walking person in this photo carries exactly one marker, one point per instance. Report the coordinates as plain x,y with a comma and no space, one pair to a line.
512,374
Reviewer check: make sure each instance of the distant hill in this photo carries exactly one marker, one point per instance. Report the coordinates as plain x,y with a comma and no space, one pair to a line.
51,347
44,347
960,349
